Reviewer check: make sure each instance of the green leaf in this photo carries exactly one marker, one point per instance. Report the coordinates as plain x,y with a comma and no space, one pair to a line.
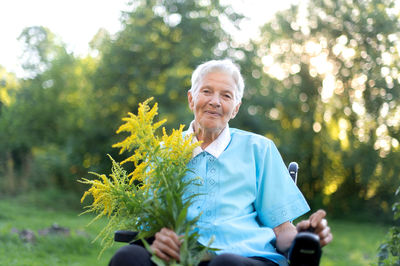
181,218
158,261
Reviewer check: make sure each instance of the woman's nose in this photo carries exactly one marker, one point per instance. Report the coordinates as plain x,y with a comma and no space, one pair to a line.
215,101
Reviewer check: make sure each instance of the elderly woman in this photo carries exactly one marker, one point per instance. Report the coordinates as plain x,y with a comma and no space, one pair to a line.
247,199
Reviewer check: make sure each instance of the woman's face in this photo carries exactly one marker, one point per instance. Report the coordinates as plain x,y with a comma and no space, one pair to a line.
215,104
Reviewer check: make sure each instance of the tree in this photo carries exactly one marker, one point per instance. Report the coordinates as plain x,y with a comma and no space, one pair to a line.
334,70
68,108
9,86
155,53
44,127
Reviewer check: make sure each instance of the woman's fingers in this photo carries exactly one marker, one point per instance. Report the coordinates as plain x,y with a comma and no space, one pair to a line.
169,238
166,245
316,218
319,225
324,232
172,235
303,226
325,236
164,251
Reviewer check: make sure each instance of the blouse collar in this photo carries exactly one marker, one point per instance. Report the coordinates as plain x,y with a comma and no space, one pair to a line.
216,147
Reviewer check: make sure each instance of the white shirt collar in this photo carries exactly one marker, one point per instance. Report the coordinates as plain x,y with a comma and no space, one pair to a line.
217,146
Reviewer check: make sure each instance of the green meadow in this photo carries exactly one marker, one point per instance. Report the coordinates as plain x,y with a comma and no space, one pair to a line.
354,243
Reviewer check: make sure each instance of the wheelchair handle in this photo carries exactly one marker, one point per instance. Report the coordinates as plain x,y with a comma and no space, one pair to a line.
293,170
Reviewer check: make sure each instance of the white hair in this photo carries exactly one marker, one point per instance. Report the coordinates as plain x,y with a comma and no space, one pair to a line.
225,66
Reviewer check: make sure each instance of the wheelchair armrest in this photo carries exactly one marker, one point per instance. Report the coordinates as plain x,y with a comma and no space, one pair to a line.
124,236
305,250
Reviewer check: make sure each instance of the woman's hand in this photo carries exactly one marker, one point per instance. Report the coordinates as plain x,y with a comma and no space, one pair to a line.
319,225
166,245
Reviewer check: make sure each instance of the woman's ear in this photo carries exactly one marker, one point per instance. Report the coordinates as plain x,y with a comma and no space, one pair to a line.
190,100
236,110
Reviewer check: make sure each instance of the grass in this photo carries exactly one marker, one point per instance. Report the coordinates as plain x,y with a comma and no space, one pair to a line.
354,243
75,249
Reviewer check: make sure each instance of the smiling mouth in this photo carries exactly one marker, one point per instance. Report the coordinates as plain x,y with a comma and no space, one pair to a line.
213,113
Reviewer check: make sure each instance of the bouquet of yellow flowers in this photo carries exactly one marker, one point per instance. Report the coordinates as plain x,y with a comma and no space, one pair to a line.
153,195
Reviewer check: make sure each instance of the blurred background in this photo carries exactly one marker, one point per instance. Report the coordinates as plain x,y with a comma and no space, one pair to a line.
322,81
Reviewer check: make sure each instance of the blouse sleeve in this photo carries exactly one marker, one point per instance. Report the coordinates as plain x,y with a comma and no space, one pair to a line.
278,198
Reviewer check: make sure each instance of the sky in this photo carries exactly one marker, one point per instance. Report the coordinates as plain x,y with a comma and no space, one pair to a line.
77,21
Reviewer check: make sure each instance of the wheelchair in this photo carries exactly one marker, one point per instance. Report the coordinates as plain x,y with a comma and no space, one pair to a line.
305,249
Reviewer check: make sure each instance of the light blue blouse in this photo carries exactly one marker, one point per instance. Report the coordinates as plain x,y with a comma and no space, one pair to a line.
245,192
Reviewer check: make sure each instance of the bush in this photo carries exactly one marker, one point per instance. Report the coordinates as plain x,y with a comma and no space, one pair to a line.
389,251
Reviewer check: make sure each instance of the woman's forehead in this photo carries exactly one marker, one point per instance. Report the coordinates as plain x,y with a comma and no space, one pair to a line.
218,79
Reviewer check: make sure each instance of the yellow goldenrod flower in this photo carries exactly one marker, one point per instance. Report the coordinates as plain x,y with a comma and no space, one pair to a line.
151,196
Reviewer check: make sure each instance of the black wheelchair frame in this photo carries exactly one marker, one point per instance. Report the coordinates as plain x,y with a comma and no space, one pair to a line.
304,251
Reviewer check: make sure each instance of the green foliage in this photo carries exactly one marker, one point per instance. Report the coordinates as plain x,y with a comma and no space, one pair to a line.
66,111
41,49
8,87
389,251
330,96
48,131
155,54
